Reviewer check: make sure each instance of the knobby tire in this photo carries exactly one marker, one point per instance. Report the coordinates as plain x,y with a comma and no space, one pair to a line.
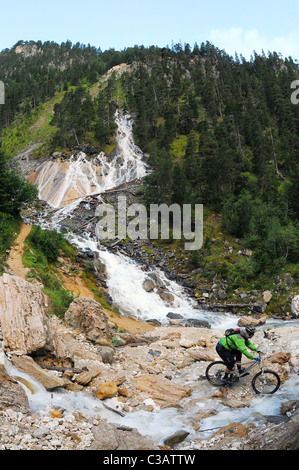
272,374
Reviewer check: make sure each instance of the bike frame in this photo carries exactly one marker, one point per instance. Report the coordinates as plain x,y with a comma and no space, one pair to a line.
251,366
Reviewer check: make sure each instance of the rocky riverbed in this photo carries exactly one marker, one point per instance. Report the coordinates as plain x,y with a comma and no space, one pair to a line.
108,388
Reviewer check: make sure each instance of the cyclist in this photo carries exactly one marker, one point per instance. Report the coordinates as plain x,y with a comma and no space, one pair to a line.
230,349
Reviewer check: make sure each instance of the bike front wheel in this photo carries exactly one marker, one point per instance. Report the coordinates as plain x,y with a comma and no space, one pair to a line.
266,382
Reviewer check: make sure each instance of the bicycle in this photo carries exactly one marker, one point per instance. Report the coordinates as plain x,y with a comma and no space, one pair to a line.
264,382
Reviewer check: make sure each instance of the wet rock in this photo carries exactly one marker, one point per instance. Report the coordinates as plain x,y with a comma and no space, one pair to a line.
234,429
194,323
174,316
12,394
167,297
29,366
176,438
148,285
289,407
109,436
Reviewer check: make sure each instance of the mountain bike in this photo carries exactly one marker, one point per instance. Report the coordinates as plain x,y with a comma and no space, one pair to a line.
264,382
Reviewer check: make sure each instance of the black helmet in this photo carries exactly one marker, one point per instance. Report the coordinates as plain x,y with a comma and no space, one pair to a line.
250,329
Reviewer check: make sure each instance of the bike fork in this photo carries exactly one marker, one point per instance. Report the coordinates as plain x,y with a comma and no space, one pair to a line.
263,375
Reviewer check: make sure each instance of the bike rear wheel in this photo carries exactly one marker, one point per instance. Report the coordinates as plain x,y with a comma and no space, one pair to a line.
215,373
266,382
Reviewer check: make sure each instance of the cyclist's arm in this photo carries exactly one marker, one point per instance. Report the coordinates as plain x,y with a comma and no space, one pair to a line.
251,346
241,346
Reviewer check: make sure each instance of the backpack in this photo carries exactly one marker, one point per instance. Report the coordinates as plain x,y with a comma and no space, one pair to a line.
229,332
232,331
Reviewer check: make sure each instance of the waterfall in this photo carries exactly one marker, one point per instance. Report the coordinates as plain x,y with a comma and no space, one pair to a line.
64,183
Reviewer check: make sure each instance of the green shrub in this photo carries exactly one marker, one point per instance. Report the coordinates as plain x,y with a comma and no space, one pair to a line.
49,242
60,300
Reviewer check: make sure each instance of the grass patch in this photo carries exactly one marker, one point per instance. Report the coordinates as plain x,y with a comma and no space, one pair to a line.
99,295
28,129
41,251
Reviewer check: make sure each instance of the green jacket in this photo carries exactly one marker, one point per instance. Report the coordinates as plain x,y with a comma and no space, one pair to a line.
238,342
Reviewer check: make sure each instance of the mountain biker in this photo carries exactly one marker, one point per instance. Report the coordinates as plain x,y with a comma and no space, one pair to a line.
230,349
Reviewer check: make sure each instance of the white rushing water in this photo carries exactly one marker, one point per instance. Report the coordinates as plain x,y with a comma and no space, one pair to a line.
125,280
65,182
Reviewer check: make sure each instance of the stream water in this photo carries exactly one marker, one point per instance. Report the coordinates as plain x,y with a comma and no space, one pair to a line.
64,185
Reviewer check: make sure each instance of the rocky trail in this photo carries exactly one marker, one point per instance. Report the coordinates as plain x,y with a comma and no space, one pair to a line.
14,260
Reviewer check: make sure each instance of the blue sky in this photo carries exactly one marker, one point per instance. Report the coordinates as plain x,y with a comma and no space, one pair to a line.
241,26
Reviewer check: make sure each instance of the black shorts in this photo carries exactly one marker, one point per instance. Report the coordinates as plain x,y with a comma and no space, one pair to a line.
228,357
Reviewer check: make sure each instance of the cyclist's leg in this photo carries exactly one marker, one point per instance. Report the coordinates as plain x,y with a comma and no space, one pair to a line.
239,364
227,357
238,360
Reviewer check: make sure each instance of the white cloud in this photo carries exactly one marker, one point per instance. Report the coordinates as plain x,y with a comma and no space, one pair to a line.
245,42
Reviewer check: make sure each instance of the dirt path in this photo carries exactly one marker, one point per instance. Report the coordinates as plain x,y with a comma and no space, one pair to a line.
14,259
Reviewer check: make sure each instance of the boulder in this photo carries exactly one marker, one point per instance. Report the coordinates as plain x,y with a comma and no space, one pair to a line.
249,320
267,296
12,394
234,429
85,377
280,357
107,354
201,355
295,306
222,295
148,285
106,390
259,306
166,296
86,315
161,390
194,323
109,436
26,328
29,366
176,438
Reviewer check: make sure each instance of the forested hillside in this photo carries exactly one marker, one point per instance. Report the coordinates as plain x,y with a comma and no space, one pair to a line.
218,130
